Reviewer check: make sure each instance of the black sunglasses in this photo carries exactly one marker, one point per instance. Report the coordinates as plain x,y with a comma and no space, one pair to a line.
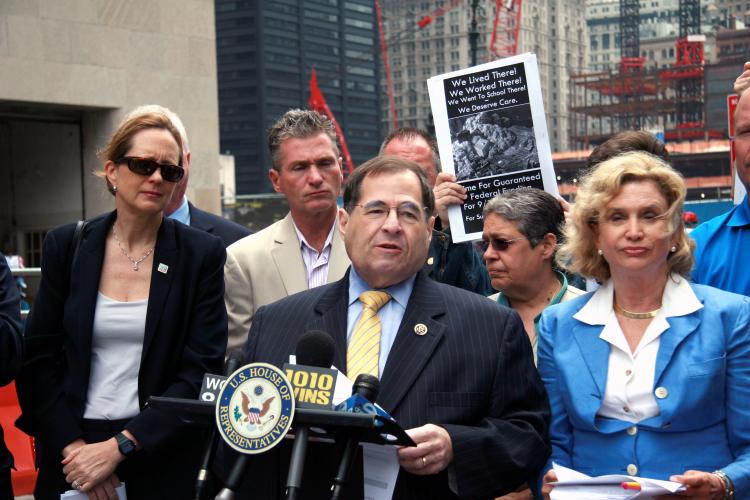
498,244
145,166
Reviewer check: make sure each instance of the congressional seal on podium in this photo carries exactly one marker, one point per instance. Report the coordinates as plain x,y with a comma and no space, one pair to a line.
255,408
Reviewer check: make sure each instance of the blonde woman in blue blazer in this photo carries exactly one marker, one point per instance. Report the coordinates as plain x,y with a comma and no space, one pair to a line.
649,375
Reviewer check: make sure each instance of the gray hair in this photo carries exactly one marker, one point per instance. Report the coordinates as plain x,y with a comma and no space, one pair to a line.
410,134
535,213
298,124
147,109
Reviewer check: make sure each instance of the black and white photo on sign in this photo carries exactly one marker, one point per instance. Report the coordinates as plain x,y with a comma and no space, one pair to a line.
493,142
491,134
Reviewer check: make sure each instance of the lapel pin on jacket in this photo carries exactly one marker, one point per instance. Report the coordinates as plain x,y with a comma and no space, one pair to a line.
163,268
420,329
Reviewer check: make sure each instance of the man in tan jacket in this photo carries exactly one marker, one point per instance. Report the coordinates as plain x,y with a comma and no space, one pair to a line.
304,249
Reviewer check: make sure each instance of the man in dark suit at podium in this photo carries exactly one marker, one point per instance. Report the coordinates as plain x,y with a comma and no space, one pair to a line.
456,370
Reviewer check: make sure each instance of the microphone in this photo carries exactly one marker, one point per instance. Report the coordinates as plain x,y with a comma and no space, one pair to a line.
314,349
234,361
366,387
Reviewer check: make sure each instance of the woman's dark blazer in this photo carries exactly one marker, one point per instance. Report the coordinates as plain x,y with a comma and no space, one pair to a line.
185,337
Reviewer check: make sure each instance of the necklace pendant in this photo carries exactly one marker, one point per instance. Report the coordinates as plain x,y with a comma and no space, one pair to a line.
135,266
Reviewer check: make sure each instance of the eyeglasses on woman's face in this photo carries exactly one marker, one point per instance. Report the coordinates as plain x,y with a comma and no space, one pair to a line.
498,244
147,166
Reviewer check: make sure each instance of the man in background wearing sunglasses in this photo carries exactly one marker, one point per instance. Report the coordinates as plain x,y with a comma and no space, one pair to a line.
456,264
179,208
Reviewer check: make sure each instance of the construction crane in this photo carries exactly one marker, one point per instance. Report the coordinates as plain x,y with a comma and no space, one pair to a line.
506,28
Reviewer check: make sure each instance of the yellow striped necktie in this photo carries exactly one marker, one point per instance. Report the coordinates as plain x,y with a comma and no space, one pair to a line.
364,346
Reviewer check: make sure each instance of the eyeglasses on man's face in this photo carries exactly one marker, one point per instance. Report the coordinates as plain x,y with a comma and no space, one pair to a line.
406,212
147,166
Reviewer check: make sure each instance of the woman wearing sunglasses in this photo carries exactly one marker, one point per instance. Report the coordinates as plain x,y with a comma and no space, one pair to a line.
650,375
520,235
131,308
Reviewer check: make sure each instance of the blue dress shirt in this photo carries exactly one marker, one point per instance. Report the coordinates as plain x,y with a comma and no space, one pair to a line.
390,314
182,214
722,245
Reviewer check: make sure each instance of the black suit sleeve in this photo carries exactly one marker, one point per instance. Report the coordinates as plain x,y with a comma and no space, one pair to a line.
47,414
511,444
10,325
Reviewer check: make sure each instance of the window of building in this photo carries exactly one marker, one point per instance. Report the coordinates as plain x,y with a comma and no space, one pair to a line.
320,16
365,9
356,23
357,39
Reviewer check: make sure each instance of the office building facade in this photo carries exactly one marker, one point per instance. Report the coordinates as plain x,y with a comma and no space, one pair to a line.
266,51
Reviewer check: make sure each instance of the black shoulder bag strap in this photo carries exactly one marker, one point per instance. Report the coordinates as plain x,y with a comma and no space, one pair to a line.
74,245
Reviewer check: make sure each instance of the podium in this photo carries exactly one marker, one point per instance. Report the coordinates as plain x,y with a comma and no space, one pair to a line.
323,423
324,427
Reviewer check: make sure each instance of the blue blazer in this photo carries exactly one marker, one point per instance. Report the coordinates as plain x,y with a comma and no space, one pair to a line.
704,423
185,337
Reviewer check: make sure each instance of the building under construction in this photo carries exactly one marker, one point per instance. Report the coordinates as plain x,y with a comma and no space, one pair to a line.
685,100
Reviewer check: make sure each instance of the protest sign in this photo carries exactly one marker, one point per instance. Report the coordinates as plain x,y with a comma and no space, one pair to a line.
491,134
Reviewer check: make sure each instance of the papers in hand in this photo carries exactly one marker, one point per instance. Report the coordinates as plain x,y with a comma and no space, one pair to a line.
77,495
572,485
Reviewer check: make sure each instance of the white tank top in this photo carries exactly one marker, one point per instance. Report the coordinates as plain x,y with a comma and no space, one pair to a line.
116,346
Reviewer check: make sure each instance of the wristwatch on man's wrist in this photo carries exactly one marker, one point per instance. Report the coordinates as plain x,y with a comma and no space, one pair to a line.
125,445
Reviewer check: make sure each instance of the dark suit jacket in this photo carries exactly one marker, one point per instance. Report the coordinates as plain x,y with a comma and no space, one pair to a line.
457,264
228,231
10,341
473,373
186,331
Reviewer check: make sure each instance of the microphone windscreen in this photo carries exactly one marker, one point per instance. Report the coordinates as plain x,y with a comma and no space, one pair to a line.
315,348
235,359
367,386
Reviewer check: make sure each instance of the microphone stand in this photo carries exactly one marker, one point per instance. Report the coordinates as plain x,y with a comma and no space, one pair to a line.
344,467
297,463
203,471
234,479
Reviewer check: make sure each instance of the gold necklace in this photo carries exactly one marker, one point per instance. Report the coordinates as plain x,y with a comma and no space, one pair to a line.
127,256
635,315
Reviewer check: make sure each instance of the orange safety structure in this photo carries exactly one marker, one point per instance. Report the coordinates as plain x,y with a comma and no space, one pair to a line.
20,444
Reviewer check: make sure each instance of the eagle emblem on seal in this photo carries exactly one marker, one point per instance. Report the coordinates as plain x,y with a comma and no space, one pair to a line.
252,411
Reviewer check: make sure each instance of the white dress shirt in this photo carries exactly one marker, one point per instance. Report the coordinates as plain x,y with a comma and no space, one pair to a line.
629,394
316,264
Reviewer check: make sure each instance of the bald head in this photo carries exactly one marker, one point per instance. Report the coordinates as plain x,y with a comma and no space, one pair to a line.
415,145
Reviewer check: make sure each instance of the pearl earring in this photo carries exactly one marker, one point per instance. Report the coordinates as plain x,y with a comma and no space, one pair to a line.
599,251
673,249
